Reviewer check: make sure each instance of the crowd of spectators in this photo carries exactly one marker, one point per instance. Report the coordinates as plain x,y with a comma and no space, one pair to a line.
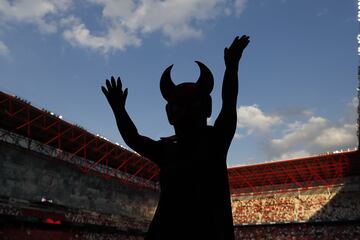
296,207
9,210
121,222
42,211
298,232
27,233
255,217
106,236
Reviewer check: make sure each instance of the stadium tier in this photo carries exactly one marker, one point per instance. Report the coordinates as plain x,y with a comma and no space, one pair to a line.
60,181
297,174
47,129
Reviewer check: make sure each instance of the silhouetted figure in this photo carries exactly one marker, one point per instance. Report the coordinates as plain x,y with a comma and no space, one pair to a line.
195,198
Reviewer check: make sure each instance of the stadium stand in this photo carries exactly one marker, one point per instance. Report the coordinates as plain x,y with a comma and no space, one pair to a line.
95,189
300,231
319,204
311,198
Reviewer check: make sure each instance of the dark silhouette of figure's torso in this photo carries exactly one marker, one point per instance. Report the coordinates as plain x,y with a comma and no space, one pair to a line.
195,199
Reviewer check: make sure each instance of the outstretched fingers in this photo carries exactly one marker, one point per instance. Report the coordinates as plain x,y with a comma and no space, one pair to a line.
108,85
119,84
108,90
125,94
235,41
240,44
113,83
106,93
114,94
244,39
113,86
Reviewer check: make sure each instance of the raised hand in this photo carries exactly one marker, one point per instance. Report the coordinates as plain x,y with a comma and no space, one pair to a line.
233,54
115,95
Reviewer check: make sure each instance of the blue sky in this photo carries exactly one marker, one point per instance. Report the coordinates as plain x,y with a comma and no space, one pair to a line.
297,77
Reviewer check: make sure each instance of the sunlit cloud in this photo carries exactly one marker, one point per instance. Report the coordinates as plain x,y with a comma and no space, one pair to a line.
282,138
254,120
127,22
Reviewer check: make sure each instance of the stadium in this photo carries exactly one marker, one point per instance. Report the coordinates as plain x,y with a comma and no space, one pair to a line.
59,181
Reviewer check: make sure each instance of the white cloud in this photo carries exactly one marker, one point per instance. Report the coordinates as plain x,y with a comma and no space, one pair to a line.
337,137
123,23
253,119
283,138
294,154
239,6
179,33
315,136
299,133
116,9
115,39
33,11
4,50
293,112
151,15
176,19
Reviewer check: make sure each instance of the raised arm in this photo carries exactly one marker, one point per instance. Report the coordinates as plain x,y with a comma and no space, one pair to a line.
226,121
117,98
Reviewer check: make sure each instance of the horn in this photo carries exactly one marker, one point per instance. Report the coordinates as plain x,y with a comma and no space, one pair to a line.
166,84
206,79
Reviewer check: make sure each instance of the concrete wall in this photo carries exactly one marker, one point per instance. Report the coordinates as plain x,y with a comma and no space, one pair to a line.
29,175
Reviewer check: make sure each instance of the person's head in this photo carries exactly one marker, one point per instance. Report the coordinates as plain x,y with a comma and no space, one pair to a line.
188,104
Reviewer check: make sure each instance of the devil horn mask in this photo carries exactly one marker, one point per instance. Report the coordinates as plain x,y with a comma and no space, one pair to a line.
205,81
167,86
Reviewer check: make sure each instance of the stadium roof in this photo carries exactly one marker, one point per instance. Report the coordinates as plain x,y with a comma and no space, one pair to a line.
20,117
302,173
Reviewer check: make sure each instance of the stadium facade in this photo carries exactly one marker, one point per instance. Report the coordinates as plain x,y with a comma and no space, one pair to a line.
59,181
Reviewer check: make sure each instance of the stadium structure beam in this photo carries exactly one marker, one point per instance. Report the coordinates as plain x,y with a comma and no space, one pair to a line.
124,163
51,132
29,120
106,155
155,174
43,128
83,147
300,174
138,171
248,184
58,136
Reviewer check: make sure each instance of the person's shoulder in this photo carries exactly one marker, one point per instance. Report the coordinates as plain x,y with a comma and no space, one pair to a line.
169,139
